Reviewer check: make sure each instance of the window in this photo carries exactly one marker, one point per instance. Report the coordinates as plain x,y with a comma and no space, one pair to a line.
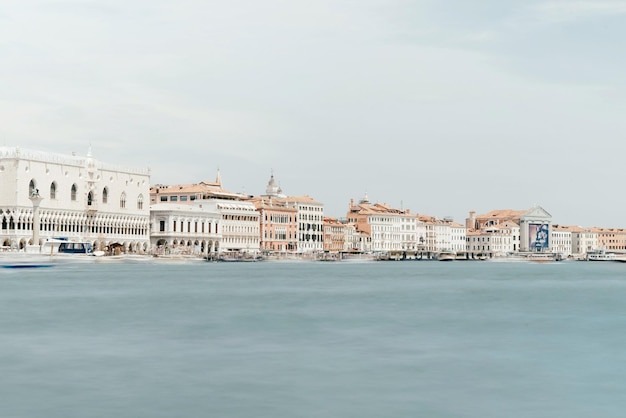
163,198
140,202
183,198
73,195
162,226
53,190
173,198
123,200
90,199
105,195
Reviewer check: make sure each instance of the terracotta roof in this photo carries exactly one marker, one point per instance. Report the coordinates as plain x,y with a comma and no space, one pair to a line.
502,214
302,199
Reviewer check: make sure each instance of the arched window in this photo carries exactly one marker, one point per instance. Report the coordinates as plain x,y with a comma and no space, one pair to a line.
74,189
53,190
31,188
105,195
123,200
90,199
140,202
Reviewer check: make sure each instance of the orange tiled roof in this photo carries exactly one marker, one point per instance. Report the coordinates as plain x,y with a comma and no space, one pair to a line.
503,214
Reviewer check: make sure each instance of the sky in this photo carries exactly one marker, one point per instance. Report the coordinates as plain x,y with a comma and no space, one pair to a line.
437,106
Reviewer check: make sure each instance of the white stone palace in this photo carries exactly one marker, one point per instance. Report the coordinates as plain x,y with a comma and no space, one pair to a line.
73,197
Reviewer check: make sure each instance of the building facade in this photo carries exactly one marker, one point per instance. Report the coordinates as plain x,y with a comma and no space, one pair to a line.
182,229
390,229
48,195
278,225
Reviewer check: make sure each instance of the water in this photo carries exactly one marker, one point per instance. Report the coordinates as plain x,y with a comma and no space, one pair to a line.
386,339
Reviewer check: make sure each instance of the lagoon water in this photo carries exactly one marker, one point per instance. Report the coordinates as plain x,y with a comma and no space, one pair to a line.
379,339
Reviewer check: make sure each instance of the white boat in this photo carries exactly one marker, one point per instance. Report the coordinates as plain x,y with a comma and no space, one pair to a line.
600,255
446,256
358,256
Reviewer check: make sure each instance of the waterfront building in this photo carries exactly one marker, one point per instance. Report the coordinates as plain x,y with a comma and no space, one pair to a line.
561,239
584,240
278,224
475,243
534,226
49,195
438,234
301,220
188,193
497,240
231,224
278,221
334,235
611,239
239,226
185,229
356,241
458,237
478,222
310,223
390,229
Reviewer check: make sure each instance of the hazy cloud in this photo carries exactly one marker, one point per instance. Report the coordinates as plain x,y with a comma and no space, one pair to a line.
572,11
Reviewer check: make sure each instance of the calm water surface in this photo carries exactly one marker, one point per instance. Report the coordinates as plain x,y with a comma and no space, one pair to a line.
386,339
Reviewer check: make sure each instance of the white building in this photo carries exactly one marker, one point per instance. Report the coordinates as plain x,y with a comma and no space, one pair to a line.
391,230
184,229
458,235
535,226
79,198
561,240
239,225
310,223
497,240
443,235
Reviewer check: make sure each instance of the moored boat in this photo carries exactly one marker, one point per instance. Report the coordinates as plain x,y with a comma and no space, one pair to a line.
446,256
600,255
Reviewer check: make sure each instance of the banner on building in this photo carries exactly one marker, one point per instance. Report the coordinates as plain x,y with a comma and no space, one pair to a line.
538,237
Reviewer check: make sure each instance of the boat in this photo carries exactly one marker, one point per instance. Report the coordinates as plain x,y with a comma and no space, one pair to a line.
358,256
600,255
446,255
63,246
536,257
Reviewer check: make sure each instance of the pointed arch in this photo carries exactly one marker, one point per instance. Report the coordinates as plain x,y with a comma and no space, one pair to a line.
53,190
140,202
32,187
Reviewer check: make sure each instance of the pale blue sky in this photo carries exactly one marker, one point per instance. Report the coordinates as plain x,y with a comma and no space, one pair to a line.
437,106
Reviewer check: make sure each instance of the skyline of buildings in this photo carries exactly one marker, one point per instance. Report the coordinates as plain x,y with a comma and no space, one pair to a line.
83,198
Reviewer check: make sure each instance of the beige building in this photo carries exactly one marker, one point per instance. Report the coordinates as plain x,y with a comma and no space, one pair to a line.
278,224
611,239
334,235
584,240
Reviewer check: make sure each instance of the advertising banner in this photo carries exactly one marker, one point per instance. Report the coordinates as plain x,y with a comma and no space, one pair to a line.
538,237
